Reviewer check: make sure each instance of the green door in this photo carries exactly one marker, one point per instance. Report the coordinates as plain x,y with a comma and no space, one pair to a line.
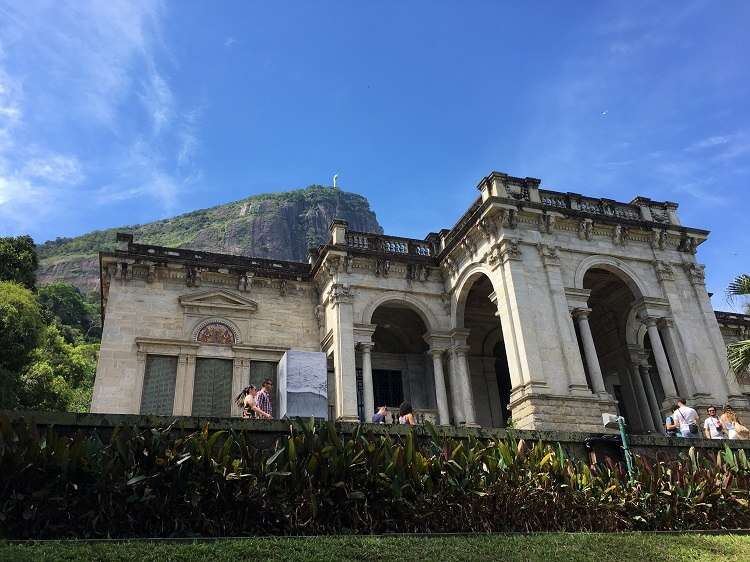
212,390
157,397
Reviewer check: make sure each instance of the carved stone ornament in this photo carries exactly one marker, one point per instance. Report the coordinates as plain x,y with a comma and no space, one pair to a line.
550,254
468,246
319,315
382,267
659,239
586,229
487,229
688,244
216,333
508,218
510,249
664,271
696,273
549,223
340,294
619,235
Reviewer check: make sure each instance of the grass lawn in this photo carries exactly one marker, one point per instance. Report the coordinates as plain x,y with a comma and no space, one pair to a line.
680,548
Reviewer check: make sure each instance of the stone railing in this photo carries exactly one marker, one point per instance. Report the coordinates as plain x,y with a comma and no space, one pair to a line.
367,242
604,207
210,260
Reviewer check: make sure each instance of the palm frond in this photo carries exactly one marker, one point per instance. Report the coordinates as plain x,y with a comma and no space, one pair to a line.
740,286
738,354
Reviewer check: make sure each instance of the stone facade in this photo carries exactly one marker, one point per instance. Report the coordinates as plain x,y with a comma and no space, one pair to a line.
543,307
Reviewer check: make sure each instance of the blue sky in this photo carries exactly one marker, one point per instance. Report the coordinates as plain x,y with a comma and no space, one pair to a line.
122,112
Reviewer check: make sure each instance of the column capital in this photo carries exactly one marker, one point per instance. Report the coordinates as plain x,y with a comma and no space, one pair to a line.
461,349
438,340
365,346
436,351
581,313
650,321
665,322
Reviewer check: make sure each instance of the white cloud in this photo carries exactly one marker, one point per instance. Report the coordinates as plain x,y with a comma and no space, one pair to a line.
709,143
55,169
95,68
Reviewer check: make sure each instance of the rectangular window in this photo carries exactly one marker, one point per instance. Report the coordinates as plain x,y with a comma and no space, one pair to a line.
212,389
387,388
158,385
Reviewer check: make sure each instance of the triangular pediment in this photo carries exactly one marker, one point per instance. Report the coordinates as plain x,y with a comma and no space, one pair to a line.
218,298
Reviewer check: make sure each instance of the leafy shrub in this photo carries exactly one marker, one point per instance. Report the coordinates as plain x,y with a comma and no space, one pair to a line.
167,482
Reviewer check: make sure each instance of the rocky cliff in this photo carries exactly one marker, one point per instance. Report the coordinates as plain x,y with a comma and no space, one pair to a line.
277,225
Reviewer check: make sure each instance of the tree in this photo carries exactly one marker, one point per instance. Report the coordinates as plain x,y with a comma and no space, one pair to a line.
21,326
66,303
738,353
18,260
60,375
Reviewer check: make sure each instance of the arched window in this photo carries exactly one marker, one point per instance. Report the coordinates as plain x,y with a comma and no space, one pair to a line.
217,333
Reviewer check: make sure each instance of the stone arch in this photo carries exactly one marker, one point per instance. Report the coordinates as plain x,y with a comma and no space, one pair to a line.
217,320
463,286
399,297
614,266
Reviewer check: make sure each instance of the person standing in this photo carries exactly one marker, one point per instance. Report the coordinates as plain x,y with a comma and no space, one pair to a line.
263,399
406,414
379,416
671,428
732,424
687,418
712,427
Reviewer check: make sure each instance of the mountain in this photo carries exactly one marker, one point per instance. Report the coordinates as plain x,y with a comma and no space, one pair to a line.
276,225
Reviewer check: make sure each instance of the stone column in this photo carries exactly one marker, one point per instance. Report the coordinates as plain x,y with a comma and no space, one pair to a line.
441,396
669,334
655,410
369,394
644,410
662,365
589,350
467,395
178,407
344,366
456,388
140,376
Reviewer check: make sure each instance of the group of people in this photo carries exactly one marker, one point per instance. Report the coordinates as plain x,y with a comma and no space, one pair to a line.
256,403
685,422
405,414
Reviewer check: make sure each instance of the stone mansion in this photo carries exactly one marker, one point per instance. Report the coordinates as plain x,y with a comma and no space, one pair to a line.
549,308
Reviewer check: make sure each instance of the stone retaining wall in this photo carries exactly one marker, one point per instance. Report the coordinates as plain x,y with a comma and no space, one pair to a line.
266,432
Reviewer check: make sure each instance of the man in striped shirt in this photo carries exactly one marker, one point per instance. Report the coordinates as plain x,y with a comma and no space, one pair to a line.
263,398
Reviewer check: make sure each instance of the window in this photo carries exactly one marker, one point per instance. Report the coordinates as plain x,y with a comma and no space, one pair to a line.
157,397
212,389
387,388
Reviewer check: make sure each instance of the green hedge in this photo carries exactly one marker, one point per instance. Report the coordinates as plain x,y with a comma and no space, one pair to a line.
163,482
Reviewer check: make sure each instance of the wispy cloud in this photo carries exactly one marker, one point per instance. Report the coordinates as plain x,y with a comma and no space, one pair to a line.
99,70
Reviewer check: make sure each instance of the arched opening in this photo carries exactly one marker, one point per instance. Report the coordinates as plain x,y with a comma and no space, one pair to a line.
611,301
401,368
487,360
